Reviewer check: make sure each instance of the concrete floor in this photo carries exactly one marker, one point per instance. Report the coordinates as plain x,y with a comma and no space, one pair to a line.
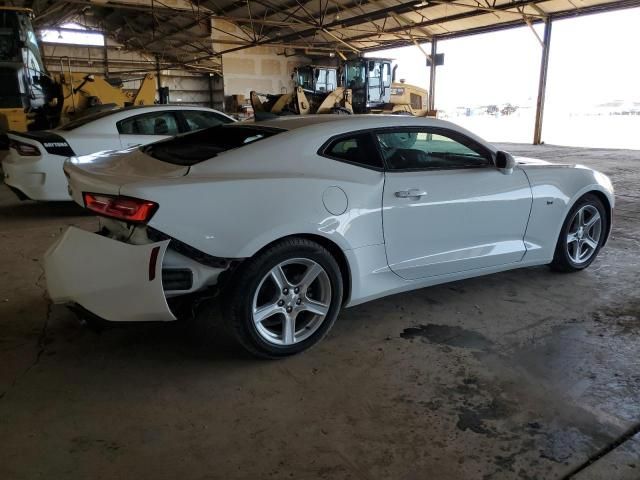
526,374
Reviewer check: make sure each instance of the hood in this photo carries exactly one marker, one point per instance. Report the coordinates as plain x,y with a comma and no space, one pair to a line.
107,171
536,162
531,161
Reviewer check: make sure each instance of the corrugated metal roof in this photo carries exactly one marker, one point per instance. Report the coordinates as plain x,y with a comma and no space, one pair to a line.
179,31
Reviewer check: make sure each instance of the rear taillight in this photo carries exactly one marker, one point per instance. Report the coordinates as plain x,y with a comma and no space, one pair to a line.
24,149
122,208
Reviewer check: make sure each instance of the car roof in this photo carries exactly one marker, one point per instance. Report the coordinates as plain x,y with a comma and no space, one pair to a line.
92,121
355,122
326,126
161,106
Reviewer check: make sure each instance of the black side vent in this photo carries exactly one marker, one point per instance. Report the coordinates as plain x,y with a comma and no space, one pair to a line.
186,250
177,279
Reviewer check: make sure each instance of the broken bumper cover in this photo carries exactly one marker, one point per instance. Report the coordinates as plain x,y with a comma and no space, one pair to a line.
113,280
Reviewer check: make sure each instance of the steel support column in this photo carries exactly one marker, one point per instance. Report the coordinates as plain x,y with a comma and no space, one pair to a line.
159,80
432,74
210,79
542,86
106,55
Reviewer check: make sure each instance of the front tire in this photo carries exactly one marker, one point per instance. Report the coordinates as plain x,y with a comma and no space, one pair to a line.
285,299
582,235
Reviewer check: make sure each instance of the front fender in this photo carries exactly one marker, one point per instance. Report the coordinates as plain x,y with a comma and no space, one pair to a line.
555,190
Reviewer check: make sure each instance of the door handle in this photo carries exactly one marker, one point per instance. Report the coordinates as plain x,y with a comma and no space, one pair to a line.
412,193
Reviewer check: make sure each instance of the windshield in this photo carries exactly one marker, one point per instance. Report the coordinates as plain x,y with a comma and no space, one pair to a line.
305,78
192,148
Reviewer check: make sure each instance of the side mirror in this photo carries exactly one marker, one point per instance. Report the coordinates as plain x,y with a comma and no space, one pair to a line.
505,162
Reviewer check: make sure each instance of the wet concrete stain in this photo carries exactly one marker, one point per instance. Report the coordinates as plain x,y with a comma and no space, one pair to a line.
471,420
474,417
560,445
626,320
452,336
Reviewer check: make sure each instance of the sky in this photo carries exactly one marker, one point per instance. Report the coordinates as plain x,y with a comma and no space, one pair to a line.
66,36
593,59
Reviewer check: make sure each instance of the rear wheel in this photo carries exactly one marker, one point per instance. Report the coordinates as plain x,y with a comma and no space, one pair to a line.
581,236
285,299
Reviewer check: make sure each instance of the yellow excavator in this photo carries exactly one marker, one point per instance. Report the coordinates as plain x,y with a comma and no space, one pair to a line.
31,98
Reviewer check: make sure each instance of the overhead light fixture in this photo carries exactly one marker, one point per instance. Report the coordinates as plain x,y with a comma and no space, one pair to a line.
421,4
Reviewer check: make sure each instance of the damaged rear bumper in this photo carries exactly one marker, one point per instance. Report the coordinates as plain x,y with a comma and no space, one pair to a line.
113,280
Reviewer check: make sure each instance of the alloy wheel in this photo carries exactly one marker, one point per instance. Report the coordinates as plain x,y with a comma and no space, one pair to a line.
292,301
584,234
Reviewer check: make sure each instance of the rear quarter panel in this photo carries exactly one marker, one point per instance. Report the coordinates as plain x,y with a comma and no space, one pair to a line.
249,197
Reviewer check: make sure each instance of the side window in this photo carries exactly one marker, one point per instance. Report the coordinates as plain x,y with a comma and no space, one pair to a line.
412,149
197,120
157,123
355,149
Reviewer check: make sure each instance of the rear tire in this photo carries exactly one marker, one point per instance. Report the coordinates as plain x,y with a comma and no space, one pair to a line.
582,235
285,299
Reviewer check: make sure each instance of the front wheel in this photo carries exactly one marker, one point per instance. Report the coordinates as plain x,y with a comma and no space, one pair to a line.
285,299
581,236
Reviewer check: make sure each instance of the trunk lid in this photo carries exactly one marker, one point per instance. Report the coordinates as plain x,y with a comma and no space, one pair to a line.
108,171
46,140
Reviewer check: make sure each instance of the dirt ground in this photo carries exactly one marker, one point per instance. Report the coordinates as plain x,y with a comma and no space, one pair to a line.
527,374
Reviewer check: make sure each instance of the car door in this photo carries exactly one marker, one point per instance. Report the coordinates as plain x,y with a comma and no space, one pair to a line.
446,208
147,128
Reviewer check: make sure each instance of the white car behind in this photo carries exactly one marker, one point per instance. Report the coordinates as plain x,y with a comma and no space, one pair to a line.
33,167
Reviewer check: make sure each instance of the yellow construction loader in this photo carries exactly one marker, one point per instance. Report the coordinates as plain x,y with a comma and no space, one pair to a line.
297,103
316,91
31,98
366,88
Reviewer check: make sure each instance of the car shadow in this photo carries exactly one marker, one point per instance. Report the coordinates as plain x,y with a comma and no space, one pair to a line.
186,340
31,209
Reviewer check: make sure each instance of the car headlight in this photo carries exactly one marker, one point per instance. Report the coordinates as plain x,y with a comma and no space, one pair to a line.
604,181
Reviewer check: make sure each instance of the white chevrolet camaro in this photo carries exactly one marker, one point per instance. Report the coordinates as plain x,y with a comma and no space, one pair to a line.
292,219
33,167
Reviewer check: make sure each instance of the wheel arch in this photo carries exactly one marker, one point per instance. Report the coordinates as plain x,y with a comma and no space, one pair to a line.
608,207
605,201
334,249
